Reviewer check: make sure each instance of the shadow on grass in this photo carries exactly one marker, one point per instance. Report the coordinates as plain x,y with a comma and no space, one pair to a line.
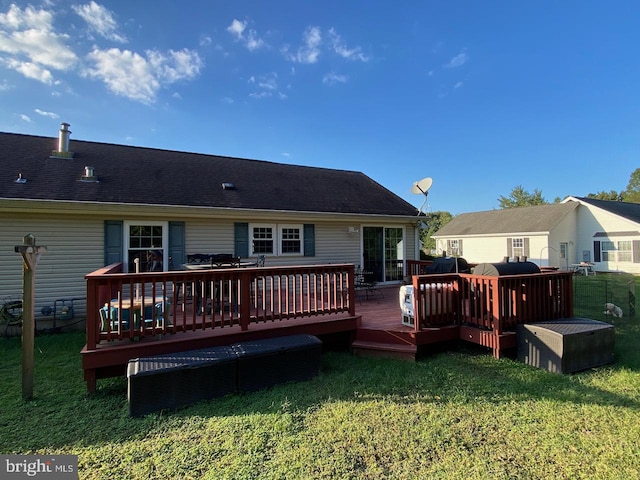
61,417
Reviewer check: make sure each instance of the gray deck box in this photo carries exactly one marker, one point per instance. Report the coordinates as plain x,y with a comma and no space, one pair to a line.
268,362
567,345
174,380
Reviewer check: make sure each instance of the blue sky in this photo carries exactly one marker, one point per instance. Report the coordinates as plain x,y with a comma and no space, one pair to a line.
480,96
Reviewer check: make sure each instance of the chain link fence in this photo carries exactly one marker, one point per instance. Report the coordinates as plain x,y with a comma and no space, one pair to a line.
605,297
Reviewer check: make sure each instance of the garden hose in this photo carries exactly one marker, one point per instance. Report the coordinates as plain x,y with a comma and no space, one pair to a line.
11,313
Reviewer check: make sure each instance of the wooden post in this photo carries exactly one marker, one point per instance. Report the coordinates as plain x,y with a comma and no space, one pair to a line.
30,256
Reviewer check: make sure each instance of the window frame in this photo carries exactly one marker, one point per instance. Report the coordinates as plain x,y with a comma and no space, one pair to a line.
517,251
252,239
126,241
300,240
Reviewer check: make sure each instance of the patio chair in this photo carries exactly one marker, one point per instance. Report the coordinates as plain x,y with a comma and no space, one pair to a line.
110,321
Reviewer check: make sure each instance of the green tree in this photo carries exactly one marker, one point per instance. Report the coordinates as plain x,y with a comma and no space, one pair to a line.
632,193
612,195
519,197
434,221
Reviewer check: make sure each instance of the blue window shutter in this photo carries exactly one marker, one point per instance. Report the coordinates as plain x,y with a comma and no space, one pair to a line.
309,240
596,251
113,241
241,239
176,245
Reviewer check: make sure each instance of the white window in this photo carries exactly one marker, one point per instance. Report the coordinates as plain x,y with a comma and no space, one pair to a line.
617,251
262,239
517,247
290,239
454,248
145,244
625,251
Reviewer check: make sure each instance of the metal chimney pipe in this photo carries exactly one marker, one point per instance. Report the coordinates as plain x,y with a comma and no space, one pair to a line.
63,137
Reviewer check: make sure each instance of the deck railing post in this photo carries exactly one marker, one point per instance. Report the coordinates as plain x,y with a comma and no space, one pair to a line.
351,271
92,313
245,299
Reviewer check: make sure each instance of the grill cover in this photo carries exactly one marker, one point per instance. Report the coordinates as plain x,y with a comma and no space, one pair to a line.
448,265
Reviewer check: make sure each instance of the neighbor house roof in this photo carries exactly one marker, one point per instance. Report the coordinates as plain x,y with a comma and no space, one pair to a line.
541,218
137,175
630,211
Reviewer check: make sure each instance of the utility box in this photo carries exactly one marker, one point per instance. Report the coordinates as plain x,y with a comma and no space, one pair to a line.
567,345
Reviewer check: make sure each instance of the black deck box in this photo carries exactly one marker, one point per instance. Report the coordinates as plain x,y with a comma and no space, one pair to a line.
174,380
567,345
268,362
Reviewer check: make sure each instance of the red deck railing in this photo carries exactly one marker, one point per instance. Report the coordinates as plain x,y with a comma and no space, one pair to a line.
489,309
150,304
417,267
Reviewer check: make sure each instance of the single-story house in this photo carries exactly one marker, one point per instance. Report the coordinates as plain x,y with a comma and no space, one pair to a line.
599,232
93,204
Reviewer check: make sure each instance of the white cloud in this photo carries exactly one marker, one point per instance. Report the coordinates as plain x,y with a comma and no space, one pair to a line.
31,46
250,40
5,87
457,61
31,70
310,51
176,95
125,73
458,85
25,118
341,49
129,74
205,41
227,100
236,28
100,20
46,114
332,78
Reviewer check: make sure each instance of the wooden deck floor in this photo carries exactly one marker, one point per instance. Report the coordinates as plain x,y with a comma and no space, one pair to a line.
377,323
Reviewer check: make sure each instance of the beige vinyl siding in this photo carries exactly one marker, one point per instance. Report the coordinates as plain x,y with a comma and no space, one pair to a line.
74,249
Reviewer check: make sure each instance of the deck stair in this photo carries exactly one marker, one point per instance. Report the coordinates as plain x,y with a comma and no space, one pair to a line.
384,343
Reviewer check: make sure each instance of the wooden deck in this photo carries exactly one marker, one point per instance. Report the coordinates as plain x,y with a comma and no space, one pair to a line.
323,301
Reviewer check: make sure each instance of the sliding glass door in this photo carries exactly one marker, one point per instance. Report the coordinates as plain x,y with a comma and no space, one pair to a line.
383,252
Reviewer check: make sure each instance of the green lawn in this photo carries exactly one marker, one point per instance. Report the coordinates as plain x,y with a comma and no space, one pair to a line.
457,414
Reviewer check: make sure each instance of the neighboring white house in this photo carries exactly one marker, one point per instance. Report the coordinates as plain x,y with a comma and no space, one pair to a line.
601,232
92,204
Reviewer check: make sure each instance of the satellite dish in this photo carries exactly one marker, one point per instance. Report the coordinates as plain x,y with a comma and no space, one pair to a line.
421,187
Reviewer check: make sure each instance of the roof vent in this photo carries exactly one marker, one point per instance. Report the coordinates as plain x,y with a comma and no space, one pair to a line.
63,143
228,186
88,175
20,179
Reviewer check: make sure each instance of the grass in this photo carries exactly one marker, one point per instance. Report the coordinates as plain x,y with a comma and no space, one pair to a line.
457,414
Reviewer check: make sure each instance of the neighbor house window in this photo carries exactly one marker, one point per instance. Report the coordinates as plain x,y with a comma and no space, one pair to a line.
145,245
617,251
517,247
454,248
262,239
290,239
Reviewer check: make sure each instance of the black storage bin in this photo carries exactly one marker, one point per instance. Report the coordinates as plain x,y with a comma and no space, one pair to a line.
268,362
566,346
173,380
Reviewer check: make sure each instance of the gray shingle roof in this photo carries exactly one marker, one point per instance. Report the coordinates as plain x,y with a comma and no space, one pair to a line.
137,175
541,218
